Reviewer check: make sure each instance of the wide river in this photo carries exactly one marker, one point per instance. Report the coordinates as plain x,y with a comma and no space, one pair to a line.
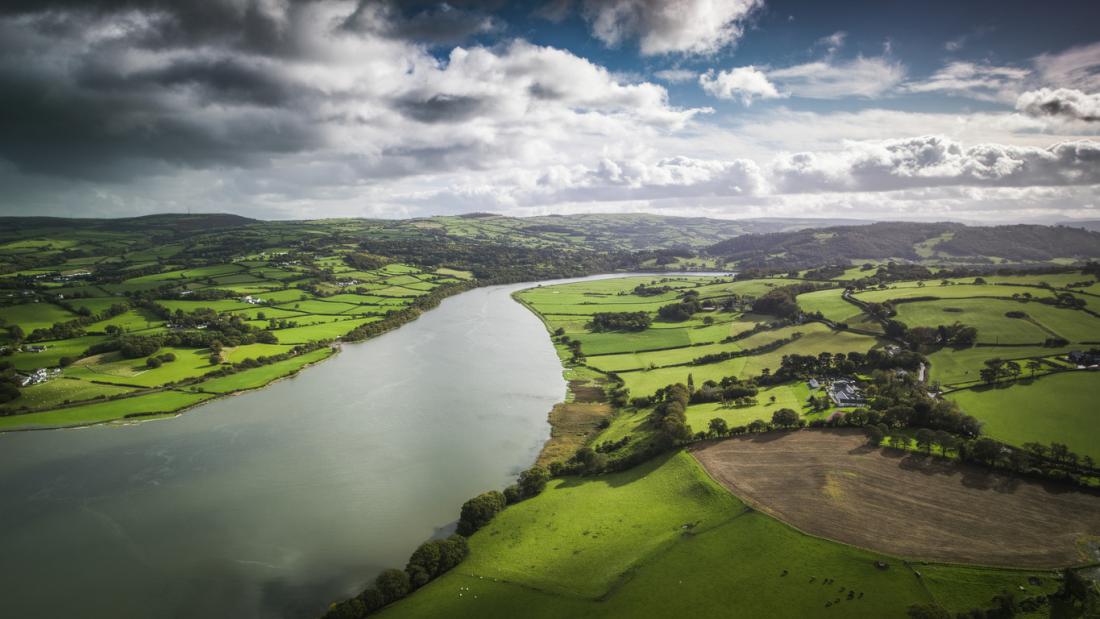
277,501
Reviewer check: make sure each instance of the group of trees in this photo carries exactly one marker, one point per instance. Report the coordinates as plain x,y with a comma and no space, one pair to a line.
434,558
682,309
669,416
641,290
746,352
429,561
9,383
956,335
620,321
729,389
997,369
76,326
798,367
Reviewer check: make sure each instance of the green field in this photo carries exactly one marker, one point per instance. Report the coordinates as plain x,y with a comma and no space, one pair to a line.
61,391
792,396
159,402
988,315
1059,408
31,316
258,377
961,367
664,540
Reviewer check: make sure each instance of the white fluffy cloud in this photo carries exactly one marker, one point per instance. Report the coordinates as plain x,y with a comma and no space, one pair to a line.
742,83
932,161
1062,103
662,27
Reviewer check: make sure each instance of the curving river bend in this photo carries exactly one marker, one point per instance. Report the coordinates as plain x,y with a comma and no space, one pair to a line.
275,502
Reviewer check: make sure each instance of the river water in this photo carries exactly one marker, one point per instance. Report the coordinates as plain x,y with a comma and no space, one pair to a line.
275,502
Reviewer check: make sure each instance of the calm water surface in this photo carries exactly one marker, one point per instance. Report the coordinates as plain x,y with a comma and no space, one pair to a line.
275,502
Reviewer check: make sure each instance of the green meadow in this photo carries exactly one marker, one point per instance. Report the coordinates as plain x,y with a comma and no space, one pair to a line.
1059,408
83,414
664,540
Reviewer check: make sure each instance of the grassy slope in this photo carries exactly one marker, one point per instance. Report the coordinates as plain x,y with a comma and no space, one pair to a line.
615,546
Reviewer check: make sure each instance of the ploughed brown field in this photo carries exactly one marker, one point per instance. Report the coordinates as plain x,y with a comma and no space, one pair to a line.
831,484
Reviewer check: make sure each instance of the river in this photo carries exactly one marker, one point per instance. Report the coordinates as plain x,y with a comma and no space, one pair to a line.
272,503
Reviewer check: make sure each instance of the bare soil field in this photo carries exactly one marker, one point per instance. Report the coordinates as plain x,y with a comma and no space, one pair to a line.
831,484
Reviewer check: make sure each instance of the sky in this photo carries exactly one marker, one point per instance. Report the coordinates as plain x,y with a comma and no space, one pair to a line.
299,109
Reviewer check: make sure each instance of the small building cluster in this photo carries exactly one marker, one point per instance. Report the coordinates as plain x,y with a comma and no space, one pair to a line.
1085,359
347,282
251,300
38,376
846,392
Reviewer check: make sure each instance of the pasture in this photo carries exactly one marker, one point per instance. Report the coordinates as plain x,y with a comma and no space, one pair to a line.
111,410
665,540
1058,408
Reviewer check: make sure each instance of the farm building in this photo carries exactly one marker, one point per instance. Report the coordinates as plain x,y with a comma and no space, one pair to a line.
846,393
1083,358
38,376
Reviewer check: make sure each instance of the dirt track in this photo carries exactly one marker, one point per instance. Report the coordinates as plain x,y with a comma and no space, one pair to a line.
829,483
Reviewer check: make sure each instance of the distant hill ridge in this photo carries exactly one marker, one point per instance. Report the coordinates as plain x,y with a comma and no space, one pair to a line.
909,241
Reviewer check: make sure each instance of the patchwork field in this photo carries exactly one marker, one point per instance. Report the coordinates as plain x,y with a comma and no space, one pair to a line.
829,483
284,303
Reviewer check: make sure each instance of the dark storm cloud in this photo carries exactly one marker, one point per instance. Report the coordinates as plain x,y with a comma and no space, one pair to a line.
244,25
431,23
441,108
79,134
114,89
214,80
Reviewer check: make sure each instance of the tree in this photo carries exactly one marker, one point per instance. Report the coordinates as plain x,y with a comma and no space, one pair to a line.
925,439
1036,449
373,599
452,551
425,563
874,435
718,427
478,511
946,441
785,417
532,481
393,584
347,609
1034,365
986,450
590,460
152,363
